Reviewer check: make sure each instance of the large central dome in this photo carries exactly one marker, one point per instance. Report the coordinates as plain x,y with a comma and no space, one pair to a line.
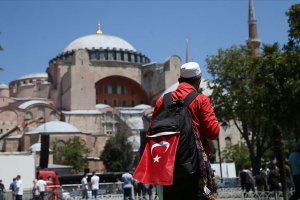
98,41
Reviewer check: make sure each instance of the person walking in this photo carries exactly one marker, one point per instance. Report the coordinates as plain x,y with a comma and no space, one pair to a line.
2,187
19,188
203,120
247,180
261,180
35,190
294,160
42,187
12,187
95,185
274,178
84,187
127,180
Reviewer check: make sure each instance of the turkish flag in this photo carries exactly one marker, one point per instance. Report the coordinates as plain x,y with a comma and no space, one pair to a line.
157,163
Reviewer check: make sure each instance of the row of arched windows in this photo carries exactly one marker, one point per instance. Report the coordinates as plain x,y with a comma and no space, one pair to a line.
41,113
118,56
121,103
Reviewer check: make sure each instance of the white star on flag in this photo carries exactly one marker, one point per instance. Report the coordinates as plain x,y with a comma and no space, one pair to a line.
156,158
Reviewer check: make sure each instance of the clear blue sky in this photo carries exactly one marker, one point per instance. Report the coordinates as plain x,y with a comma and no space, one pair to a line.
33,32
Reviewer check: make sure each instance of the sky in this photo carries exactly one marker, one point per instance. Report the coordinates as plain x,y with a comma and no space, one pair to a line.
35,31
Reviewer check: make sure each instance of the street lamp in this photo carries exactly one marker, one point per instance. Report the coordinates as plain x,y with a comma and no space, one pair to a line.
224,126
220,160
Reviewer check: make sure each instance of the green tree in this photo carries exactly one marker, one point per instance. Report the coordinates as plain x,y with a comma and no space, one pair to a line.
239,154
72,153
294,28
292,62
260,96
118,154
279,91
234,97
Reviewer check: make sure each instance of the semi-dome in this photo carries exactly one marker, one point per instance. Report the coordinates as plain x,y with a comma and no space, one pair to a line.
34,75
56,127
3,86
35,147
99,41
27,104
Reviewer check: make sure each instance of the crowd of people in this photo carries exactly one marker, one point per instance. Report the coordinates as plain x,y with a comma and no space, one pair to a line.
127,185
132,187
268,178
16,188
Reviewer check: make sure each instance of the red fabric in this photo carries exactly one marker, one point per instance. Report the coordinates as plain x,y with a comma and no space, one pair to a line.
157,163
204,119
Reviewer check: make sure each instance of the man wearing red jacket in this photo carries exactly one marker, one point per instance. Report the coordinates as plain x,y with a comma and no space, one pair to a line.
204,121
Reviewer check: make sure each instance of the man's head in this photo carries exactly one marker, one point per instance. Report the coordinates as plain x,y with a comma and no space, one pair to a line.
18,177
190,73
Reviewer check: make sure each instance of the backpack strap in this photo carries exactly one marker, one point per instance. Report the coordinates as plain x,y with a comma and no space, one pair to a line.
167,99
189,98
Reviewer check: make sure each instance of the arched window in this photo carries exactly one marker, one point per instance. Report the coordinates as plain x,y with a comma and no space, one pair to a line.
93,56
118,56
41,112
125,56
53,116
102,56
28,115
110,55
60,143
115,102
227,141
114,87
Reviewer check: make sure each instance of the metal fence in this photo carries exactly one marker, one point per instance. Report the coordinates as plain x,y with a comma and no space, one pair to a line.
113,191
237,193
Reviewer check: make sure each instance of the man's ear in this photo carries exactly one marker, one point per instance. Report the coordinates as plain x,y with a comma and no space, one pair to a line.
197,84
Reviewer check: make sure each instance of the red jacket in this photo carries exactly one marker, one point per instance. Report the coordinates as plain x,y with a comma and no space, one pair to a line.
204,119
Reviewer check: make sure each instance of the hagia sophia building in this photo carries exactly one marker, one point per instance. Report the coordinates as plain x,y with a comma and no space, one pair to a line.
94,83
98,82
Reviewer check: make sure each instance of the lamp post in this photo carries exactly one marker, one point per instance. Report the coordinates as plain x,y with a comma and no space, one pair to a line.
220,159
224,126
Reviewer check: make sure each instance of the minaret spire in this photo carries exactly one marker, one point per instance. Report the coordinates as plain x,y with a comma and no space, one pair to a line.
251,17
99,32
253,41
187,52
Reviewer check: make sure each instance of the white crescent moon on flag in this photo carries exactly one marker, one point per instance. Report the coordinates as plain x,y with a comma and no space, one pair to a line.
161,143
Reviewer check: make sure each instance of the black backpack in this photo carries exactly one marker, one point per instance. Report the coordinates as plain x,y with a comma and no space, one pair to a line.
190,155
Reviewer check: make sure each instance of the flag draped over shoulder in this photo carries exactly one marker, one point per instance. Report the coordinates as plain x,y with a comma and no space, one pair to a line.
157,162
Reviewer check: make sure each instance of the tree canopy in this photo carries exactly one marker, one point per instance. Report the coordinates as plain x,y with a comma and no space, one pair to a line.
118,153
261,94
72,153
235,97
294,28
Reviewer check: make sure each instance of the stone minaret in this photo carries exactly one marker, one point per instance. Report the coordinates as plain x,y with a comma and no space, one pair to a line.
253,41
